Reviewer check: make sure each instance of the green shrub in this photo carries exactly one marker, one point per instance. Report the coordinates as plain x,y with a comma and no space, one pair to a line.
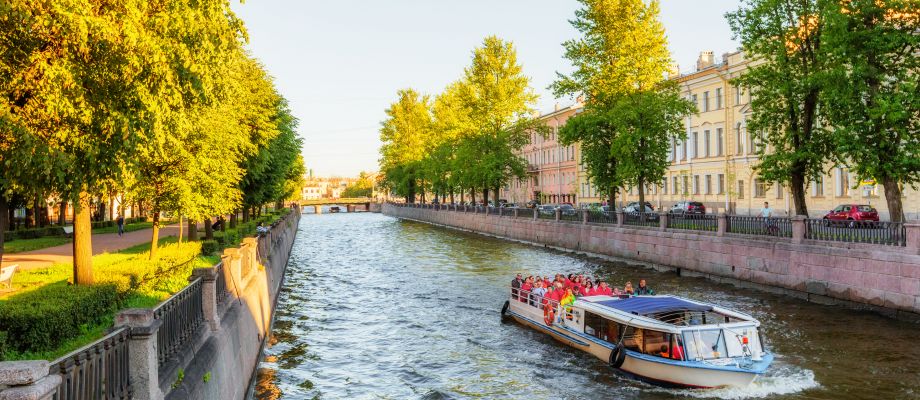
33,233
209,247
42,319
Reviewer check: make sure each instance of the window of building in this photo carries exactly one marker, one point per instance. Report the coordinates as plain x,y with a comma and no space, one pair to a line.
708,184
739,139
696,184
719,141
683,149
706,143
695,104
760,188
674,187
686,187
817,187
696,145
843,182
740,189
705,101
737,95
779,190
718,98
664,186
721,184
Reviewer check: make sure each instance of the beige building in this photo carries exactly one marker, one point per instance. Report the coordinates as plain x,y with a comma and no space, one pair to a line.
715,164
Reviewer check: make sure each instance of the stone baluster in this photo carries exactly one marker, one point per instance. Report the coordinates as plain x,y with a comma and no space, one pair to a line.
144,372
208,295
913,236
233,270
584,217
621,218
248,251
798,228
27,380
663,220
558,214
722,224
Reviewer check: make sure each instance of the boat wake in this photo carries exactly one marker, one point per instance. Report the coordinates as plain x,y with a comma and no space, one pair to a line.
780,380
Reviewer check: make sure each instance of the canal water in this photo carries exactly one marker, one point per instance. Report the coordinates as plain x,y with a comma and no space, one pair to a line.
378,308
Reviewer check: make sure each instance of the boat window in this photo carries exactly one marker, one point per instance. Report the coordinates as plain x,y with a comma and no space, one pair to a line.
632,338
734,339
705,345
654,342
602,328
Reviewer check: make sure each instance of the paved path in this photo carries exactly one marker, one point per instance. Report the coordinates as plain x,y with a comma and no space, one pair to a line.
102,243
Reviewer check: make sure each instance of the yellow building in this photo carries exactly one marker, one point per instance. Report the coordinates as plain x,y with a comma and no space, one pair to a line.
714,165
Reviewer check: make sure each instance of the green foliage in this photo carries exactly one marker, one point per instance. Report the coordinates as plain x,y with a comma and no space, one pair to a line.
42,319
363,187
872,99
632,113
786,79
23,245
180,376
207,377
209,247
403,134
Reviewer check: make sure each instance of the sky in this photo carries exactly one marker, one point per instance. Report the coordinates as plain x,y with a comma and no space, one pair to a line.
340,63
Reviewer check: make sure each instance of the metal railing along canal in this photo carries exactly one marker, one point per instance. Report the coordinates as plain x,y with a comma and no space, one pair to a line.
181,314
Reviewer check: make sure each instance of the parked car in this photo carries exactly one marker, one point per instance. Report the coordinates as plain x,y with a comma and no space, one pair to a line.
688,207
546,209
635,206
567,209
852,212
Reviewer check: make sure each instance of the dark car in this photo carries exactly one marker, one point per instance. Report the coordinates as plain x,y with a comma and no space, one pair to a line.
688,207
533,204
547,209
852,212
635,206
567,209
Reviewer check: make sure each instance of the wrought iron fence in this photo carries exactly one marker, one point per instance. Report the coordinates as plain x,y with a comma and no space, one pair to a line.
779,227
696,222
181,315
526,212
222,288
99,370
641,219
876,232
546,213
601,217
570,215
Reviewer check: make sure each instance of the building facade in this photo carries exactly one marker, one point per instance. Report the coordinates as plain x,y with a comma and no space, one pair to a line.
716,163
552,173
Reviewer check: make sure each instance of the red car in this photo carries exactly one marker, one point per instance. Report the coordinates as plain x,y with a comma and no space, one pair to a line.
852,212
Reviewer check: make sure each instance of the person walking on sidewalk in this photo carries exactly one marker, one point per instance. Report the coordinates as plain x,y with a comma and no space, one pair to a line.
121,225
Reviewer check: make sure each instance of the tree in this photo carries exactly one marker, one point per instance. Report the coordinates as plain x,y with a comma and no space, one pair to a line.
403,134
498,97
632,113
363,187
783,39
872,99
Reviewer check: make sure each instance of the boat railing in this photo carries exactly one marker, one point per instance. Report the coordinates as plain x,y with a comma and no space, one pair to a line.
534,300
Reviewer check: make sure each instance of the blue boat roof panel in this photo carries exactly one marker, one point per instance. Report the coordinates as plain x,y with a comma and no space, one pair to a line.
653,305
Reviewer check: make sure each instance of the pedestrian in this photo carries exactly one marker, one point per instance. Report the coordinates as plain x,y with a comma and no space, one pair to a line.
121,224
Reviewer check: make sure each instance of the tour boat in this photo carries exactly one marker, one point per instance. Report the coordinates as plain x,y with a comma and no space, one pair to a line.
664,340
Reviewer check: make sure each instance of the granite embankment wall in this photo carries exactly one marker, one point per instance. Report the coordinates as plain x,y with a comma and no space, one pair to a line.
230,354
885,279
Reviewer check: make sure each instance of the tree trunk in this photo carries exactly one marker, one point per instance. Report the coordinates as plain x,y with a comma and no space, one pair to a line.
485,196
473,196
192,230
612,198
233,218
181,227
37,207
155,239
223,224
30,217
208,229
497,194
452,196
245,215
62,217
797,183
82,242
4,221
461,195
893,198
641,185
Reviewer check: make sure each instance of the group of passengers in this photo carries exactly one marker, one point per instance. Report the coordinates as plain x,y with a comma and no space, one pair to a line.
564,289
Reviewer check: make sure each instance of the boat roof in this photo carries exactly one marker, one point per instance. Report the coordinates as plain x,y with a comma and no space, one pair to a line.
646,306
658,311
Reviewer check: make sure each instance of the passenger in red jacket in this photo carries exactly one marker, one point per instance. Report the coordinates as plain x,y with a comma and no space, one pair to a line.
588,289
603,289
525,289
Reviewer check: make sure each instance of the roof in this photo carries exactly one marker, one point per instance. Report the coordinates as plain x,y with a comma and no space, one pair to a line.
646,305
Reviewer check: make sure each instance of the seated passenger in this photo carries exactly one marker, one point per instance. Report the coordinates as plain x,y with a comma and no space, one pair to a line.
546,282
628,289
603,289
643,289
525,290
663,351
588,289
677,354
536,295
567,300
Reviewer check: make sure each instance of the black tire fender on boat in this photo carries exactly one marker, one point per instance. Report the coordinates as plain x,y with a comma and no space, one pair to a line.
617,356
505,316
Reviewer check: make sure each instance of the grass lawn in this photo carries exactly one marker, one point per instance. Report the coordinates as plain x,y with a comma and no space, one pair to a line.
21,245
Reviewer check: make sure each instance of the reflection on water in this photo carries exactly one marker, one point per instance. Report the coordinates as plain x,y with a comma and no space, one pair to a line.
379,308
